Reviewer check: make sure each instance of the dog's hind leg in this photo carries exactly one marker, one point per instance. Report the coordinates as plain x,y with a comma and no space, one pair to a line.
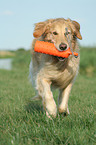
36,98
63,99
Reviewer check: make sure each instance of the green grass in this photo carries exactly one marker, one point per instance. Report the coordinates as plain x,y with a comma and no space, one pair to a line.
88,61
23,122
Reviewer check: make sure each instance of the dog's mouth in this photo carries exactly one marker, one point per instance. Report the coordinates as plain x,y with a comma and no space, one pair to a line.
60,58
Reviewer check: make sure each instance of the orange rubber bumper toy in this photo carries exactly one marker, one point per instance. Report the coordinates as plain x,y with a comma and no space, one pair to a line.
49,48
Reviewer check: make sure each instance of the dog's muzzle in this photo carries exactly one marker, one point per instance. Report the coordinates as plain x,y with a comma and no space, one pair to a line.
63,46
61,58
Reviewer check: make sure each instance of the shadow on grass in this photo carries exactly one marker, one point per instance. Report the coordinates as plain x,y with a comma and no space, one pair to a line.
34,106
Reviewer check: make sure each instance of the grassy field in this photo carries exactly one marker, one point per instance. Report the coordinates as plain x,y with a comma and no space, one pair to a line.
23,122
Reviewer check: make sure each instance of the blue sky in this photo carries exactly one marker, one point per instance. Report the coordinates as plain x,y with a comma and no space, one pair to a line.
17,18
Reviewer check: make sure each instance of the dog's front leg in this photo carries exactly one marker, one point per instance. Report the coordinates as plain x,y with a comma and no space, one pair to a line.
44,90
63,99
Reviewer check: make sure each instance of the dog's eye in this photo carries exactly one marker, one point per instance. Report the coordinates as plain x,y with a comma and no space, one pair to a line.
73,36
55,33
67,33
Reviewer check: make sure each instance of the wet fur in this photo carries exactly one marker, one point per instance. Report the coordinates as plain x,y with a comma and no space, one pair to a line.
47,70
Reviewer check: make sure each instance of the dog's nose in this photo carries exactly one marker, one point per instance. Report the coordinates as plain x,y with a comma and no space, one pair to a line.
62,46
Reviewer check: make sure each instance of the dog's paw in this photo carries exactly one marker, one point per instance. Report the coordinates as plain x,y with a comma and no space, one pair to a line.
63,111
51,109
47,114
51,113
50,116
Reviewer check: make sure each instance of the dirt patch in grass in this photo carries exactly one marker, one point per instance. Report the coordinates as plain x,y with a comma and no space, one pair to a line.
6,54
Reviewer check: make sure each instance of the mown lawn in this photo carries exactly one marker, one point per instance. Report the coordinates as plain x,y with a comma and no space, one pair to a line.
23,122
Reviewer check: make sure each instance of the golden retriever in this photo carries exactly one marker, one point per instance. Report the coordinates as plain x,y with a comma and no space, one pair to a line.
47,70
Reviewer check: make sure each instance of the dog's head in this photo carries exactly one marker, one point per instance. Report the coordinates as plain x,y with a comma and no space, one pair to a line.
53,30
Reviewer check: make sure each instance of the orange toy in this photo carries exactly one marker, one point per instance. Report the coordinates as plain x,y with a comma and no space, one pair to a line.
49,48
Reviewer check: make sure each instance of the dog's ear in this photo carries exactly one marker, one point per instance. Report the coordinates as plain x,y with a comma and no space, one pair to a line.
42,27
77,29
39,29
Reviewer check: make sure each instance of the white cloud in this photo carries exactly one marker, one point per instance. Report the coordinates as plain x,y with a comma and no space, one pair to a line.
7,13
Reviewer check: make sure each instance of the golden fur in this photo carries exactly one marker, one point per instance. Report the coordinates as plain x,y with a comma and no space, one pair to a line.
47,70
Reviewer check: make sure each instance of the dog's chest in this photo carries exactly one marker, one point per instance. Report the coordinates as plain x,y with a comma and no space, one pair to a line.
62,78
